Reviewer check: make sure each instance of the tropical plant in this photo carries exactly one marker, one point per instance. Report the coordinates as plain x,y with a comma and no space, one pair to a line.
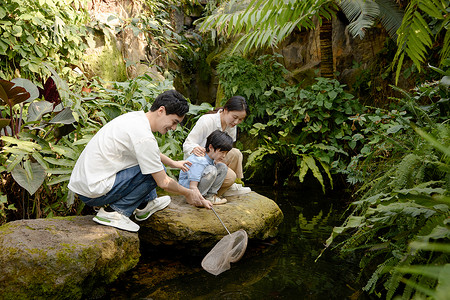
36,31
307,129
155,26
250,79
404,200
423,22
266,23
28,150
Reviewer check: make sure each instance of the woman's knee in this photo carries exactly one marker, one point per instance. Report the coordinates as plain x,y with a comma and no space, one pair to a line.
230,178
234,154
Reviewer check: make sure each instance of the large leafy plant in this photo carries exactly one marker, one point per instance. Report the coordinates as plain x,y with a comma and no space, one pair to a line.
404,200
37,31
250,79
33,123
306,129
424,25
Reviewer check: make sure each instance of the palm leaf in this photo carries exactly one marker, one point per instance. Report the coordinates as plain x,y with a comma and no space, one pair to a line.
264,23
415,36
361,14
390,16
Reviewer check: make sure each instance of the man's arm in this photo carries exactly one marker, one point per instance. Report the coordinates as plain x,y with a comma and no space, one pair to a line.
193,196
179,164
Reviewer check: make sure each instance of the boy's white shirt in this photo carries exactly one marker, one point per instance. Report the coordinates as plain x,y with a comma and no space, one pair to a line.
124,142
205,125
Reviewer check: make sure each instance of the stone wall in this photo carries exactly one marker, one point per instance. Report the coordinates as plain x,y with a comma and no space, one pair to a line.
133,49
301,50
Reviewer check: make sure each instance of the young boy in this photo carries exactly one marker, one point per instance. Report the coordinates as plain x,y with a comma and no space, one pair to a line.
122,165
207,173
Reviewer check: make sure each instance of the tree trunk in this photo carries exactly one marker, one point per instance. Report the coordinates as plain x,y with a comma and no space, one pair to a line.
326,49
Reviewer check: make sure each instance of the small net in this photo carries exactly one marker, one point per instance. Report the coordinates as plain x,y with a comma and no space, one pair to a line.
229,249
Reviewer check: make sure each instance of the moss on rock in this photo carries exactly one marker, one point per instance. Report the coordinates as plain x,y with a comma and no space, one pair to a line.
105,59
62,258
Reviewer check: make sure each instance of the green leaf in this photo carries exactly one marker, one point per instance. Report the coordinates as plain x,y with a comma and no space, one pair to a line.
23,145
59,171
65,151
13,163
17,31
64,117
30,180
38,109
59,179
60,161
28,86
2,12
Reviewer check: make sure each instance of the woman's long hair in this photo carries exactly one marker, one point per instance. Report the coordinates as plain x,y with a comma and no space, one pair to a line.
235,103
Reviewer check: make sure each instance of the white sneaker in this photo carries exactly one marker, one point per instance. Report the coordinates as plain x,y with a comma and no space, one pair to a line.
214,199
152,207
114,219
237,189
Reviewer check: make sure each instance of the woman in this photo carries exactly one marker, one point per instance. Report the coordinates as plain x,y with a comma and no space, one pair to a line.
225,119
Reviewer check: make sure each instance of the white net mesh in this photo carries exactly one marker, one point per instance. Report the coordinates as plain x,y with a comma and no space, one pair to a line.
229,249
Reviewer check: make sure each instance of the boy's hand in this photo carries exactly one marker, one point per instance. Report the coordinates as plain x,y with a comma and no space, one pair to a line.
183,165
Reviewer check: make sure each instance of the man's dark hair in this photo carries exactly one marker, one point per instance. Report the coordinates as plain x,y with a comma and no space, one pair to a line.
219,140
173,101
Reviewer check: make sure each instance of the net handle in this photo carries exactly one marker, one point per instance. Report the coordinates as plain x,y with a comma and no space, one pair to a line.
220,220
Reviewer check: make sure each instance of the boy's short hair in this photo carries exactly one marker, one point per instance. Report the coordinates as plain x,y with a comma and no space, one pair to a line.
219,140
173,101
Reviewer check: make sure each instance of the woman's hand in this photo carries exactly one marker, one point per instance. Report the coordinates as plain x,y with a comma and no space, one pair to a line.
182,164
199,151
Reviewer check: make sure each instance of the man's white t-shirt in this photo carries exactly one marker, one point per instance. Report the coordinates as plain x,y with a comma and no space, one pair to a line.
124,142
204,126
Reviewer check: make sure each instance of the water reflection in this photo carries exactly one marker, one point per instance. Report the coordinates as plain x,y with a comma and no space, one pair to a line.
282,268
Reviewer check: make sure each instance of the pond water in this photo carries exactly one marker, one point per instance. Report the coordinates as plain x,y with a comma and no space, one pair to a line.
281,268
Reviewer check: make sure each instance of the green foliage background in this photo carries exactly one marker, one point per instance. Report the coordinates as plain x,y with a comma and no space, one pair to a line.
37,31
396,160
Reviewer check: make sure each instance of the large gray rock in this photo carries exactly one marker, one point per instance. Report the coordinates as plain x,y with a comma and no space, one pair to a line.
62,258
181,224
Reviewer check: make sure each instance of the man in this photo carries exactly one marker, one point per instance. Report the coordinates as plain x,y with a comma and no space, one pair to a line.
122,165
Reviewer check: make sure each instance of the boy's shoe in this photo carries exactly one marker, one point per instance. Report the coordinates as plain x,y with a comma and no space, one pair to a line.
214,199
237,189
114,219
152,207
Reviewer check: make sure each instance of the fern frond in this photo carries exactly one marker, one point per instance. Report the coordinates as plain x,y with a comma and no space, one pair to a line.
386,266
404,173
395,276
415,36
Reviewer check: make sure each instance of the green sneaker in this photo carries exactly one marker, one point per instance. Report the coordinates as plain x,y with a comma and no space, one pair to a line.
114,219
152,207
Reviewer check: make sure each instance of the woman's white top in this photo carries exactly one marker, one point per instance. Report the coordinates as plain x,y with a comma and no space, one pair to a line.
205,125
124,142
